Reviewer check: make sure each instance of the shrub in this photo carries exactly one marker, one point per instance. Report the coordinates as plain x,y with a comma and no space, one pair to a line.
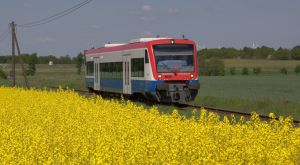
31,69
232,70
257,70
281,54
297,69
3,75
79,62
245,71
215,67
283,70
295,53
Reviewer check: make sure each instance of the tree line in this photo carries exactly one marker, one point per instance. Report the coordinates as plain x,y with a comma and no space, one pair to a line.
27,58
263,52
33,59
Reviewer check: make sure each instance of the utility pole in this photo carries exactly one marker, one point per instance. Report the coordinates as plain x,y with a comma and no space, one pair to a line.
22,62
13,60
15,43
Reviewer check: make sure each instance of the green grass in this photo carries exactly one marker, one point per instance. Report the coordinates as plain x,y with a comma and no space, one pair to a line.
264,93
50,76
267,66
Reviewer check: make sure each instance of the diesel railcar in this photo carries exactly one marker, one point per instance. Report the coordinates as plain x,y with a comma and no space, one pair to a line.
159,69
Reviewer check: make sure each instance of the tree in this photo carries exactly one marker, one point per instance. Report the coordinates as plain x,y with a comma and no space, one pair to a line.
3,75
257,70
281,54
65,60
215,67
32,60
232,70
263,52
295,53
297,69
201,63
283,71
79,62
245,71
3,59
248,53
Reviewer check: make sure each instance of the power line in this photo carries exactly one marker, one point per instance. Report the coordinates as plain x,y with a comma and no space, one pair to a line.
55,16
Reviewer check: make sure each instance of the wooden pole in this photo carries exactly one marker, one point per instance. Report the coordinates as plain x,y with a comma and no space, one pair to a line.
21,60
13,60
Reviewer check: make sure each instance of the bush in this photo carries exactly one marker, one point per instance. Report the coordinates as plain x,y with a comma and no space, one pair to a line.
215,67
283,70
232,70
281,54
245,71
31,69
295,53
3,75
32,60
297,69
257,70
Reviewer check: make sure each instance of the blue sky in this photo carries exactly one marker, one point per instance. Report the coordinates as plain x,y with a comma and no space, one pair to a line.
211,23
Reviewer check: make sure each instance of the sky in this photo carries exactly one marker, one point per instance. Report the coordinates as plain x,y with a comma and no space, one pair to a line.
211,23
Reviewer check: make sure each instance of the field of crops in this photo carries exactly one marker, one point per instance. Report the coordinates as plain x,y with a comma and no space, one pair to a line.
63,127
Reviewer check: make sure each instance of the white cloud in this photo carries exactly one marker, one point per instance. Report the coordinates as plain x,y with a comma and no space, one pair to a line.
45,39
147,8
173,10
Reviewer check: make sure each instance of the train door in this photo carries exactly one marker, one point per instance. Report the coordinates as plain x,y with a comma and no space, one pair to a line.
126,74
97,74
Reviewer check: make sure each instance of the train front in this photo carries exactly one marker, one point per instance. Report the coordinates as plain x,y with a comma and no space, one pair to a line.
175,70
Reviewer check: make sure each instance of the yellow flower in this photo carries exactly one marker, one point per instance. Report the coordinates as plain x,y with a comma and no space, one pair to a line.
62,127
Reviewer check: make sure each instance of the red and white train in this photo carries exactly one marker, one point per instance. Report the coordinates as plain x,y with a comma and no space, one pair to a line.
159,69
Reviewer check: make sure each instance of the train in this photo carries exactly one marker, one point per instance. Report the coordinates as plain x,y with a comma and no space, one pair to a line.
163,70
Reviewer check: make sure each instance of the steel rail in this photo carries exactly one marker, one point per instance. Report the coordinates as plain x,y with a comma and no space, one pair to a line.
229,112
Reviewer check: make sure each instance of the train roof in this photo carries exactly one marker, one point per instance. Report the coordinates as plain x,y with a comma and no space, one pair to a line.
132,44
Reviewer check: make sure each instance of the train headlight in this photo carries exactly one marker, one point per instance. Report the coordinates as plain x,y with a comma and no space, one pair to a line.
172,41
192,76
159,76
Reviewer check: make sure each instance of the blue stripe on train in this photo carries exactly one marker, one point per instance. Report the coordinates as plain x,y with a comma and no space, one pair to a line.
111,85
144,86
116,85
89,82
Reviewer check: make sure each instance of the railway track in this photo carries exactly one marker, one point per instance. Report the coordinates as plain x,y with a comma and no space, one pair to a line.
227,112
219,111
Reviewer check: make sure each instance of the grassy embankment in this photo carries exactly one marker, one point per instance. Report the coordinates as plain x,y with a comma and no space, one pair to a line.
270,91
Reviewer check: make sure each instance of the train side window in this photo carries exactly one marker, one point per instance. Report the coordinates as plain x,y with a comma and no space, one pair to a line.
90,68
120,70
137,67
146,57
112,70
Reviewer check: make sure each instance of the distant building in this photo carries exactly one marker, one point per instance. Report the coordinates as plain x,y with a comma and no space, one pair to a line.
269,56
50,63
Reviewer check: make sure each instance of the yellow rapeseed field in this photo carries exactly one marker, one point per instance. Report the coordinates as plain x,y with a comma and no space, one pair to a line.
40,127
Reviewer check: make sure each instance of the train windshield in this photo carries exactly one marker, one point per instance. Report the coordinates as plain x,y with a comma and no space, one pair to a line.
172,58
